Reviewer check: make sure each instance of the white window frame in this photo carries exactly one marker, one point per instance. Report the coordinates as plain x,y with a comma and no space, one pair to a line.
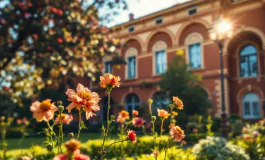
257,100
131,52
158,46
192,39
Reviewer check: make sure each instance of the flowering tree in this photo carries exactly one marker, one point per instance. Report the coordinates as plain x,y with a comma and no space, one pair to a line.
47,43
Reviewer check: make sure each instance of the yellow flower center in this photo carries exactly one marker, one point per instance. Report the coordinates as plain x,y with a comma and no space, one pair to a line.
85,95
45,105
63,116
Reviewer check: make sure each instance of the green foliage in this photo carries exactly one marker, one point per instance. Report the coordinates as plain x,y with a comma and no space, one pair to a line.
253,140
181,82
214,148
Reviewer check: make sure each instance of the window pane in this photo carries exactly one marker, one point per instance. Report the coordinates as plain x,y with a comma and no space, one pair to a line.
160,62
131,67
255,106
253,65
195,55
246,108
108,67
248,61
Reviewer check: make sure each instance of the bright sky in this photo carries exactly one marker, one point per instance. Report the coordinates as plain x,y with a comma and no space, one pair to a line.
141,8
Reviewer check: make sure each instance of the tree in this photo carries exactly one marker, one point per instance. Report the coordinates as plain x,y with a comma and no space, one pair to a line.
45,43
181,82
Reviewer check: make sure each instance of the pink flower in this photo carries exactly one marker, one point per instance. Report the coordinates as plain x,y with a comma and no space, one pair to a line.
155,153
132,136
66,118
177,133
244,129
44,110
109,80
137,122
83,98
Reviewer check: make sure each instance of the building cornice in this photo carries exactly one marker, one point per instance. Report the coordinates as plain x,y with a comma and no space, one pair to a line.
162,13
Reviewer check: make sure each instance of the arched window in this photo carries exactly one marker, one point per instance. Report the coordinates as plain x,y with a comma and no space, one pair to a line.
132,102
104,107
160,100
131,67
248,61
195,52
251,105
159,58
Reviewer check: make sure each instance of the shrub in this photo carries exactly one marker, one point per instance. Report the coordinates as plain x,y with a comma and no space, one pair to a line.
252,140
214,148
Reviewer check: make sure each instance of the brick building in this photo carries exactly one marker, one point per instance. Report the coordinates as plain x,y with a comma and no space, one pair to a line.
153,40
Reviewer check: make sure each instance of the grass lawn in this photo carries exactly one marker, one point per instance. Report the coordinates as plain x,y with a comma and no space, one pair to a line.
16,143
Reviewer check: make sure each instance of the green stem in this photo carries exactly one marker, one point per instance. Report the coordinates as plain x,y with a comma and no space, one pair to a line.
122,133
107,128
161,127
79,123
168,146
117,142
61,132
51,129
3,141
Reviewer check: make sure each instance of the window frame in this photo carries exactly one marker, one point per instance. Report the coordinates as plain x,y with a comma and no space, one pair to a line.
239,51
157,47
245,101
192,39
131,52
106,59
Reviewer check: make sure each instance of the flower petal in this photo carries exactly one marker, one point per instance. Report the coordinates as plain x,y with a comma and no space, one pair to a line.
70,107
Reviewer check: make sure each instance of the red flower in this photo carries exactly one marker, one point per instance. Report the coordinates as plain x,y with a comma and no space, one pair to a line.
49,48
5,88
59,12
60,40
132,136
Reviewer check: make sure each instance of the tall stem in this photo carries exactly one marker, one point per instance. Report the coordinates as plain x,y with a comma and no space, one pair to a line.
61,132
51,129
161,127
107,128
168,146
79,124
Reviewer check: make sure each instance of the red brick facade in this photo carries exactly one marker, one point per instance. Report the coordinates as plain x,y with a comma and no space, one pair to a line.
248,18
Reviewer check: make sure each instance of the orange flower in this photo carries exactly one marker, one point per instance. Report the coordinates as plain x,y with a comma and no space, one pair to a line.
123,115
44,110
178,103
163,113
73,149
83,98
137,122
175,113
177,133
132,136
171,125
155,153
109,81
135,113
66,118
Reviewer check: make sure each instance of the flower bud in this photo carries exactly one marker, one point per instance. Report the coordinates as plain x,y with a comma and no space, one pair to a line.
71,134
49,147
60,108
59,103
3,118
150,101
112,117
153,118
